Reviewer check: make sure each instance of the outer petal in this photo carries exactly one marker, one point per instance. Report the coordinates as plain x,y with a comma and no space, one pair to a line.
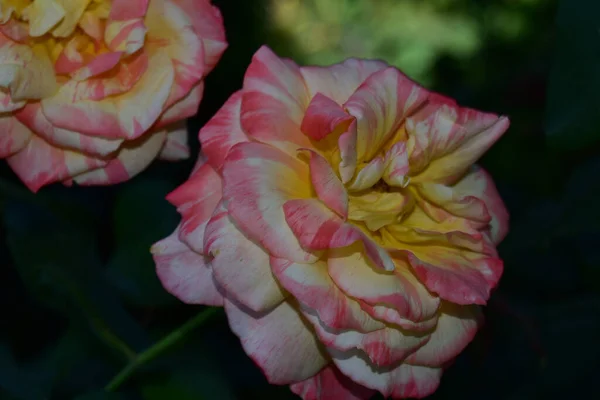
258,180
274,95
312,286
324,116
380,105
126,116
223,131
176,146
239,266
40,164
458,276
399,289
403,381
454,138
133,158
196,200
479,183
383,347
318,228
331,384
274,339
14,136
339,81
185,108
456,328
184,273
327,185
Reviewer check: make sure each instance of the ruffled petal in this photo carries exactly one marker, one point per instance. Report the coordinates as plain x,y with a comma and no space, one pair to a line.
312,286
223,131
323,117
331,384
274,95
196,200
258,180
380,105
400,382
184,273
399,289
327,185
318,228
339,81
274,339
239,266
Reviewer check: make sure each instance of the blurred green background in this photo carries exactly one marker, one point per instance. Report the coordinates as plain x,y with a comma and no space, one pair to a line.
77,286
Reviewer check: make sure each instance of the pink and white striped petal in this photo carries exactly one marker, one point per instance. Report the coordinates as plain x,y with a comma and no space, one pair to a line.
312,286
14,137
339,81
176,146
396,165
127,36
459,276
380,105
196,200
133,158
120,116
399,289
184,273
32,116
368,175
275,338
39,163
239,266
384,347
318,228
258,180
331,384
223,131
122,10
456,328
450,138
478,183
327,185
274,95
323,117
185,108
403,381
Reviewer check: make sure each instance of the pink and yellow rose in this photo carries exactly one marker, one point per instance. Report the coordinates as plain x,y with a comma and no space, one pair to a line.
337,214
93,90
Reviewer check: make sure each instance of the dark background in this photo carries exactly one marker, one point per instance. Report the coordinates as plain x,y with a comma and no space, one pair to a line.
78,293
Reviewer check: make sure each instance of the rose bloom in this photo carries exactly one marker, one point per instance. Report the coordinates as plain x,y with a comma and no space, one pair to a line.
93,90
337,216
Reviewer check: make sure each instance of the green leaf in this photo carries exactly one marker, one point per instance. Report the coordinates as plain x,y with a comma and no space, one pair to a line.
573,104
141,217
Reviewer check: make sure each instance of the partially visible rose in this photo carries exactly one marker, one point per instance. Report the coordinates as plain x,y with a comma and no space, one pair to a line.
92,91
337,215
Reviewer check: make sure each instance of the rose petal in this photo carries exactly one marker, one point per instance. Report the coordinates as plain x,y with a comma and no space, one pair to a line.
223,131
368,175
399,289
176,146
339,81
324,116
258,180
312,286
327,185
239,266
196,200
122,10
331,384
14,137
318,228
73,11
125,36
274,95
43,16
445,139
456,328
380,105
400,382
185,108
133,157
273,339
184,273
39,163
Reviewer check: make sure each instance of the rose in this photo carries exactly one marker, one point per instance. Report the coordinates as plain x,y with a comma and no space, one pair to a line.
94,90
337,215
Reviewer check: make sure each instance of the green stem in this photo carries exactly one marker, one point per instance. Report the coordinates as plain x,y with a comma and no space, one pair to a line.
158,348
